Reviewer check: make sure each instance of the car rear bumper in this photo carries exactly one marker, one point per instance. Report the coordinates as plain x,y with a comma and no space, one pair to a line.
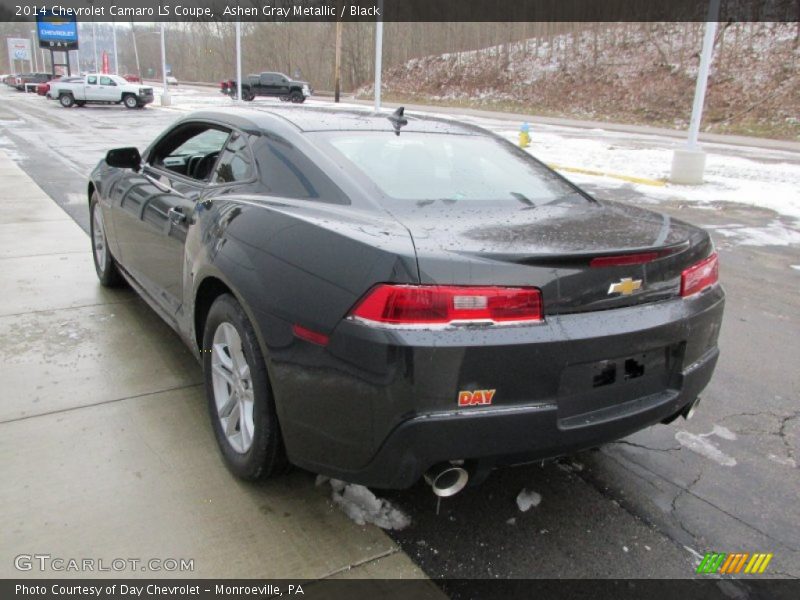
379,407
518,435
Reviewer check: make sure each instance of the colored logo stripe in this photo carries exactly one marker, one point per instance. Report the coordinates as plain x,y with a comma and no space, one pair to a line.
711,562
758,563
723,563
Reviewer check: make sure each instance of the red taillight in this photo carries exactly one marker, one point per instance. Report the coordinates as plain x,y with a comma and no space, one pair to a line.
435,304
223,84
700,276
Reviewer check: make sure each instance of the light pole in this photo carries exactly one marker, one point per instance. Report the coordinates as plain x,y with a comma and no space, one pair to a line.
94,39
238,61
136,52
116,59
165,99
33,52
689,162
378,56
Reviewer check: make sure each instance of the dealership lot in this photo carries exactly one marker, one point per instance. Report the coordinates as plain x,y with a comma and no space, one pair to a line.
105,430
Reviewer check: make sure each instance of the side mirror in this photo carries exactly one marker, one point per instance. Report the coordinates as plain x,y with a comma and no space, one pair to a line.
124,158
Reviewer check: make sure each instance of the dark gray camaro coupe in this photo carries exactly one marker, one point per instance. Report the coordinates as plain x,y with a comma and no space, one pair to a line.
380,298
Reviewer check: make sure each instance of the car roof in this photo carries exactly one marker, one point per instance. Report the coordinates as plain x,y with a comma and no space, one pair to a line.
308,119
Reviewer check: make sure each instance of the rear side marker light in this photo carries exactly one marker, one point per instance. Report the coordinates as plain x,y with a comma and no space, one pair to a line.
440,305
310,336
700,276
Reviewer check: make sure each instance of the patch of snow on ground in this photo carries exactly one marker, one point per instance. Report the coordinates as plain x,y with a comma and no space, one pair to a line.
700,444
796,267
774,234
789,462
528,499
362,506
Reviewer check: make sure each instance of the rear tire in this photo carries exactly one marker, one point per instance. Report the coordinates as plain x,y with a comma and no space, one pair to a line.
66,100
104,263
240,401
130,101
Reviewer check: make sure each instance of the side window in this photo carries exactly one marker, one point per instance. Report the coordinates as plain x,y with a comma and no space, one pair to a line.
92,80
266,79
285,171
236,163
191,149
106,81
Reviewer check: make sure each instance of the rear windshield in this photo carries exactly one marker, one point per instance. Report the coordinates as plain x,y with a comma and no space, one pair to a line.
459,168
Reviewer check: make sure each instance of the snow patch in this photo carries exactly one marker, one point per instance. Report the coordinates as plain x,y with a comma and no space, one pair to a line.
700,444
723,432
796,267
774,234
527,499
789,462
362,506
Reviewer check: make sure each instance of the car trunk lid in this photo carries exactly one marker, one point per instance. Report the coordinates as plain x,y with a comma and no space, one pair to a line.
583,255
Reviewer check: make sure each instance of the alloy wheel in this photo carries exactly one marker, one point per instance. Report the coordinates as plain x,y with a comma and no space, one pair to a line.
233,388
99,238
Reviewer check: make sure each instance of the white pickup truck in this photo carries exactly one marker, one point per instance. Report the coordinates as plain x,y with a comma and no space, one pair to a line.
97,88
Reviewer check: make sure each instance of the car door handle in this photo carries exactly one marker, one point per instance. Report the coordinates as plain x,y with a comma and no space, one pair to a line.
176,215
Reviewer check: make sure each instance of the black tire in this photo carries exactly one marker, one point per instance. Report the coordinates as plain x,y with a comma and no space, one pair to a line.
66,100
130,101
265,456
248,96
297,97
107,271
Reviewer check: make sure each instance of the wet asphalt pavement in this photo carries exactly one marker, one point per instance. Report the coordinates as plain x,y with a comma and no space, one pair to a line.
648,506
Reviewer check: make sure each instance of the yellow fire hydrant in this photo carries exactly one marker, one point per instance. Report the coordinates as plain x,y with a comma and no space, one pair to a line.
524,135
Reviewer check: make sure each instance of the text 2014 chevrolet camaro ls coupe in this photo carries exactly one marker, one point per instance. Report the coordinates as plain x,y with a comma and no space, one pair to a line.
379,298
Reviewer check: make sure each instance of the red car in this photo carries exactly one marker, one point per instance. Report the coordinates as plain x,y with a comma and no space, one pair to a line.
132,78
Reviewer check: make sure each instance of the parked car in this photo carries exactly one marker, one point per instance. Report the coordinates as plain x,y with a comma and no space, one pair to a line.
171,80
132,78
97,88
276,85
31,78
374,299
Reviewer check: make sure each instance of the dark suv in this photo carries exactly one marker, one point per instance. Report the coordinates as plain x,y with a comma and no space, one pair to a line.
269,84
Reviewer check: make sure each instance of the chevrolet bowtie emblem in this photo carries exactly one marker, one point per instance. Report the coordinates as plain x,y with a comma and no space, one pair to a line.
625,286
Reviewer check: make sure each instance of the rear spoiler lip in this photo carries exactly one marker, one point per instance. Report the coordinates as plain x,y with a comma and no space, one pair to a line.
582,259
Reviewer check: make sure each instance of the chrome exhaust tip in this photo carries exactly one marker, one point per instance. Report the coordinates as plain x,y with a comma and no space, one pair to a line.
688,412
446,479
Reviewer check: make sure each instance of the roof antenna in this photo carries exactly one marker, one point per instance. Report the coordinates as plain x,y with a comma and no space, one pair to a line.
398,120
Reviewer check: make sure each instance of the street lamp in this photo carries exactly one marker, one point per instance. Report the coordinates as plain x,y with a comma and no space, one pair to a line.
116,59
94,37
33,52
165,99
689,162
